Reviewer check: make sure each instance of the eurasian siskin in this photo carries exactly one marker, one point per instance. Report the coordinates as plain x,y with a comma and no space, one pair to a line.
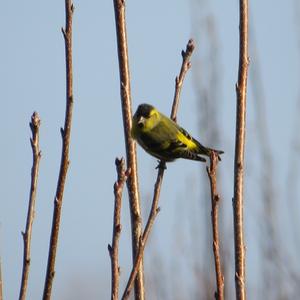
163,138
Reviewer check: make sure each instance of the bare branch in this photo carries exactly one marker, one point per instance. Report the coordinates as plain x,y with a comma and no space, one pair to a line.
215,199
113,249
238,214
186,64
132,182
153,213
36,153
161,168
64,164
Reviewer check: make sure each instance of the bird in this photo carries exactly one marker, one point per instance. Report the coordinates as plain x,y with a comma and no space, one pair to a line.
164,139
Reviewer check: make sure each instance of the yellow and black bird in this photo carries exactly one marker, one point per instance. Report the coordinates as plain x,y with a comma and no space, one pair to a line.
163,138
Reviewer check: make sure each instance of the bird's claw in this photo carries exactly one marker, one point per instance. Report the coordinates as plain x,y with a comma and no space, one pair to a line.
161,165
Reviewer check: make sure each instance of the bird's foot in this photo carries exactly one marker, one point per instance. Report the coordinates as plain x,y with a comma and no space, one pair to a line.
161,165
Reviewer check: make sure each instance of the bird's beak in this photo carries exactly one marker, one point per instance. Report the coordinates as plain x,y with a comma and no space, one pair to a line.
141,121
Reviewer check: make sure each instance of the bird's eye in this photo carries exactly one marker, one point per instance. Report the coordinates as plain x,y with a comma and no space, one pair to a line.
140,124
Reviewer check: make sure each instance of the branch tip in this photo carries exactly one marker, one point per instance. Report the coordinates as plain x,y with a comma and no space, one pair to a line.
35,120
190,46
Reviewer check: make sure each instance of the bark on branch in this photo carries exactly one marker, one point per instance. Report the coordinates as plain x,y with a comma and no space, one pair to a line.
132,181
113,249
64,164
238,213
36,153
215,199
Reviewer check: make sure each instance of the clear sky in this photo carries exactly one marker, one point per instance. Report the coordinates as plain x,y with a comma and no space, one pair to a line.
32,78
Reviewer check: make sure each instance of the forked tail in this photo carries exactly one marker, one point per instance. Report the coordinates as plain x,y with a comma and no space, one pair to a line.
207,151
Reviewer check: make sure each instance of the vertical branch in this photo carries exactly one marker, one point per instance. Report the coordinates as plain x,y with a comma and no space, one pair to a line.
153,213
132,182
207,86
64,164
238,214
215,198
113,249
34,141
186,64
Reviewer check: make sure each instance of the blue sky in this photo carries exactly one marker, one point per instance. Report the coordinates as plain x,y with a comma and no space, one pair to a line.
32,78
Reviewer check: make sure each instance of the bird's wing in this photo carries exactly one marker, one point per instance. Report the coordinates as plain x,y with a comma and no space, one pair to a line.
200,149
169,141
183,144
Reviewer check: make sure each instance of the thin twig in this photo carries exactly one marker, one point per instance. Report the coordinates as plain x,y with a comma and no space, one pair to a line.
186,64
238,214
36,153
64,164
153,213
215,199
132,182
113,249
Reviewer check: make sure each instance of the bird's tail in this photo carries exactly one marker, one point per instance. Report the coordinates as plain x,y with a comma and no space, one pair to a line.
207,151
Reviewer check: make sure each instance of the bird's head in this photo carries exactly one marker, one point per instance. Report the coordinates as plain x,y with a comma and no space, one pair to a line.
146,117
